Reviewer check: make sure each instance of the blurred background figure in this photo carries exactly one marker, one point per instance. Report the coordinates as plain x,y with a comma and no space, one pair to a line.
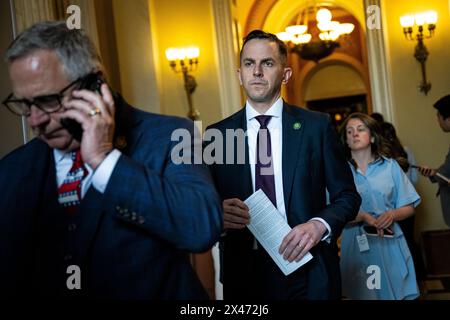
378,117
406,160
403,154
387,197
441,175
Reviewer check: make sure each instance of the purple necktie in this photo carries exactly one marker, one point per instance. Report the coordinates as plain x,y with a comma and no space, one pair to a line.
264,176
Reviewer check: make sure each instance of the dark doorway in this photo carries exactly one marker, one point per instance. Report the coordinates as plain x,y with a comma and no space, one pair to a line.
339,108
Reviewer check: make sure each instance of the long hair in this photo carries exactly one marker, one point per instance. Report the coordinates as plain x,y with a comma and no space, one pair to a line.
398,152
379,147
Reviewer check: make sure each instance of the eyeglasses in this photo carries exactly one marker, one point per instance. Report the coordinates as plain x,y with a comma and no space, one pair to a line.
49,103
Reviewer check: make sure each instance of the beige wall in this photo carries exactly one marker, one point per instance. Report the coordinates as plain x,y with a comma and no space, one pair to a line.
135,54
188,23
415,117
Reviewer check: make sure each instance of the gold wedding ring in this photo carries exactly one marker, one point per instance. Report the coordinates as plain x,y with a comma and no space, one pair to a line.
94,112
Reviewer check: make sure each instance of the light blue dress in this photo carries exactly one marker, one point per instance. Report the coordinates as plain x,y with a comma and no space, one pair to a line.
382,188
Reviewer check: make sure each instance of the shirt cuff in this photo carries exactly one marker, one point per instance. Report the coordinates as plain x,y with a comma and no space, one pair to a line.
101,176
327,235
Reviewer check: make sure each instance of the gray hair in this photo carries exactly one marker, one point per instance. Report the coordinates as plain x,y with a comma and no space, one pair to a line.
75,50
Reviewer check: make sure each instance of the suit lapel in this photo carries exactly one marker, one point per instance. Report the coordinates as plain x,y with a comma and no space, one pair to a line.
242,170
50,195
126,121
52,215
88,218
293,128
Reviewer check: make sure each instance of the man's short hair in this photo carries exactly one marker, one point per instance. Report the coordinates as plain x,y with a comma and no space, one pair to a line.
443,106
262,35
73,47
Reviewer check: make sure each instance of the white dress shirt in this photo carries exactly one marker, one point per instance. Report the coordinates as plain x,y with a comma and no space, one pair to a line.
98,178
275,127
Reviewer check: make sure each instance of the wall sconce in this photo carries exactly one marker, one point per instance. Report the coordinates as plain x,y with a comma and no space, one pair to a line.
185,60
421,19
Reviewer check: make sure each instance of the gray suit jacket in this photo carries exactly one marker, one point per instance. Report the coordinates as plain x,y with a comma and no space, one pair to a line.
444,188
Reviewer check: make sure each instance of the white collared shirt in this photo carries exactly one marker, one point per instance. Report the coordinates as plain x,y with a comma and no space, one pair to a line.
276,138
275,128
98,178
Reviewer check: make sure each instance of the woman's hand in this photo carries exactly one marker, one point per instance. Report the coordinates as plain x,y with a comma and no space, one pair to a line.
385,219
368,218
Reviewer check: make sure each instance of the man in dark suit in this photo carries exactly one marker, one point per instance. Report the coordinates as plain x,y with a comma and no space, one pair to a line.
110,216
306,160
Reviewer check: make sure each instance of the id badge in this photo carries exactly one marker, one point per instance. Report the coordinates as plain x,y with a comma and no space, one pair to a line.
363,244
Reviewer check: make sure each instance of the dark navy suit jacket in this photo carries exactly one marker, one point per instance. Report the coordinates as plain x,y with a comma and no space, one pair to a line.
312,161
133,241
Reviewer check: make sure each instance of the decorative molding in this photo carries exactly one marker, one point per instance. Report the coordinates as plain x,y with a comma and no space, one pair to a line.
258,14
226,57
25,128
29,12
379,68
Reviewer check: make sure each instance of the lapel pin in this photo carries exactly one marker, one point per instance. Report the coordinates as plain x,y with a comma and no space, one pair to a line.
121,142
297,125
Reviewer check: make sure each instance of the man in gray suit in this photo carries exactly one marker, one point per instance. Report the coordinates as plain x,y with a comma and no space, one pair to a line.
441,175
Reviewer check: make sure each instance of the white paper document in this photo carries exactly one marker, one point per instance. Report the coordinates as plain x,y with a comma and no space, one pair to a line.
440,175
269,228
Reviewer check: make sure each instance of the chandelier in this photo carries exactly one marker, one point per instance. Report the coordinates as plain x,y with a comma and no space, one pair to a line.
299,37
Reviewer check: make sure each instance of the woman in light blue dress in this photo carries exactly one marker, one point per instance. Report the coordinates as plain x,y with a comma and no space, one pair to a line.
376,266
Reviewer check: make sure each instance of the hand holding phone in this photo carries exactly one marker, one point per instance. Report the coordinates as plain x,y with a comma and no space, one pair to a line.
427,171
96,115
91,82
372,231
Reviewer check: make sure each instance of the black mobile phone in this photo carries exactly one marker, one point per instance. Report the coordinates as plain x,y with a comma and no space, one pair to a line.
372,231
91,82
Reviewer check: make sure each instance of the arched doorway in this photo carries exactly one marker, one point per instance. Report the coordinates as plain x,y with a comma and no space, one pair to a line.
336,88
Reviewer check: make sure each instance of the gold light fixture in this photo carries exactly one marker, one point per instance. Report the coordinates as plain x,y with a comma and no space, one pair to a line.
301,40
185,60
420,20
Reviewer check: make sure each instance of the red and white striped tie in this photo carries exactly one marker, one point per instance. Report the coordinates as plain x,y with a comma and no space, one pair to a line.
70,190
